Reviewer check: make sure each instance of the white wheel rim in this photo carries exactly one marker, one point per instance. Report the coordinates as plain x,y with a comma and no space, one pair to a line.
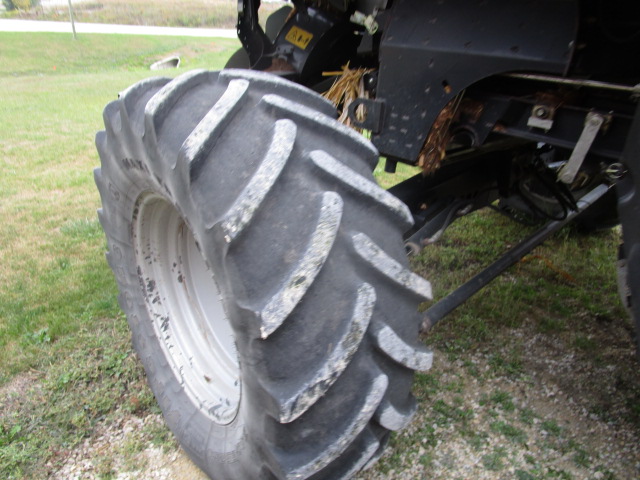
186,308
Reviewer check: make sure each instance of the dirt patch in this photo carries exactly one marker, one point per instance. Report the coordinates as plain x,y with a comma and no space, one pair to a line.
13,395
539,408
555,412
125,451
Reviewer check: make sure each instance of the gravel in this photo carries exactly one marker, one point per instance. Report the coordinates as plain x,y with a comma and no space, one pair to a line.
560,416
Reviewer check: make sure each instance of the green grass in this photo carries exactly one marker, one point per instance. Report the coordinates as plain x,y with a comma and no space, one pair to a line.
60,325
55,54
551,289
53,274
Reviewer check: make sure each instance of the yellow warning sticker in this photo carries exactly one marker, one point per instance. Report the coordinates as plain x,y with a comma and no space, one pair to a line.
299,37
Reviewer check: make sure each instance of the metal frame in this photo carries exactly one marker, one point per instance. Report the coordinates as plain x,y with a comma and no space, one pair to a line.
439,310
431,51
516,79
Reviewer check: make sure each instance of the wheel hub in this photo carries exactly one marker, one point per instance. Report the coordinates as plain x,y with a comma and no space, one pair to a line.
187,310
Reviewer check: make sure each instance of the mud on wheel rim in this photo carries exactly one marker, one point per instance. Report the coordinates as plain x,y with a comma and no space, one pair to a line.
186,308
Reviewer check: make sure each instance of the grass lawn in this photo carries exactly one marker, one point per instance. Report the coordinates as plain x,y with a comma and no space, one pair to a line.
59,318
53,276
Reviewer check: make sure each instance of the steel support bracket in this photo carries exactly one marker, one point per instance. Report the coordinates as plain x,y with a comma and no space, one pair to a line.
456,298
592,125
370,116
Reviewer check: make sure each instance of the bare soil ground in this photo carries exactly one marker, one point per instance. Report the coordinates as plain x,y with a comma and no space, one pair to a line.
537,408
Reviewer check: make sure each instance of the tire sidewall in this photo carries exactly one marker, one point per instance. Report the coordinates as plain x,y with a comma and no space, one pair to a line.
206,442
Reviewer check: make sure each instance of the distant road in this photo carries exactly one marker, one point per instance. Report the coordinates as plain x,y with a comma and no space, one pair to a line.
65,27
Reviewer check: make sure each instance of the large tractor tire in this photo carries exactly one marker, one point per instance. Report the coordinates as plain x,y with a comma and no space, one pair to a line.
262,272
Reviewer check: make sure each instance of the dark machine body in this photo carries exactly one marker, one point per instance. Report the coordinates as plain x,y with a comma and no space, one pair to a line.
527,106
